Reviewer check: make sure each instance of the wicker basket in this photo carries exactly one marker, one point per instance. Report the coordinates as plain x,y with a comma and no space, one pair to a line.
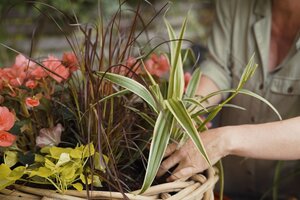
196,188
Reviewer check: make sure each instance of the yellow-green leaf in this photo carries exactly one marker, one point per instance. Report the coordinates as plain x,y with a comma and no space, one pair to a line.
97,181
68,172
16,173
10,158
39,158
76,153
50,165
42,172
83,178
63,159
78,186
4,171
98,163
5,182
88,150
55,152
45,149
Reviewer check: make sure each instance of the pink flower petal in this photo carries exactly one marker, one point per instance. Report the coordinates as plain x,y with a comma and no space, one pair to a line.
6,139
32,101
7,119
49,136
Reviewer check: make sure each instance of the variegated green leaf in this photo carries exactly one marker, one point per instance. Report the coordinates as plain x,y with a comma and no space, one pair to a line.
246,92
209,118
211,108
193,84
248,72
161,136
146,117
183,118
155,89
195,105
172,36
131,85
176,79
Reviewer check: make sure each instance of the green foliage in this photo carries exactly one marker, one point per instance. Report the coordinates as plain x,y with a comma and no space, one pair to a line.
105,124
62,167
171,111
178,114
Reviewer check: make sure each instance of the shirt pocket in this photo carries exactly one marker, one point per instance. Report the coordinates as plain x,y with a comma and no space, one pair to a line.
285,86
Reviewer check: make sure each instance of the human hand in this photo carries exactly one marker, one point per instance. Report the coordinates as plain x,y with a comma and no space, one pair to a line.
189,159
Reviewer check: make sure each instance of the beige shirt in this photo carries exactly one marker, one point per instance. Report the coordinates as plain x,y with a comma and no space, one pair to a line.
241,29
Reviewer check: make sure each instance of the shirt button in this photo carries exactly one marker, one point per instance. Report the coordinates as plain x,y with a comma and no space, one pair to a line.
290,89
261,86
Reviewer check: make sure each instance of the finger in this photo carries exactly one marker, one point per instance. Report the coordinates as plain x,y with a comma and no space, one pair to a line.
169,163
182,173
170,149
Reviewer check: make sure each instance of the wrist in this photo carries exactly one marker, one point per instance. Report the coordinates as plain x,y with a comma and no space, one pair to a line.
229,140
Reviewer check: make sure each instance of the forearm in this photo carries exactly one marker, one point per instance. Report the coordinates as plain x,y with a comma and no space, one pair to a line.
277,140
207,86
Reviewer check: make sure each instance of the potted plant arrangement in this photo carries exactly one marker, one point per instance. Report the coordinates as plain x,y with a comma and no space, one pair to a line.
95,122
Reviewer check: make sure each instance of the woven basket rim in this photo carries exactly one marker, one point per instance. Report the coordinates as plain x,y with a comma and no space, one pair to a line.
195,187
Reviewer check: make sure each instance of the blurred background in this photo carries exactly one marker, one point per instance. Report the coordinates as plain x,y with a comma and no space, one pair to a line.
38,28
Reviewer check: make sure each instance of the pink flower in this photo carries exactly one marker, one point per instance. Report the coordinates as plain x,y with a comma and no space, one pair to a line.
32,69
38,72
131,67
157,65
70,61
187,78
54,65
49,136
6,139
32,101
7,119
31,84
133,64
22,61
14,75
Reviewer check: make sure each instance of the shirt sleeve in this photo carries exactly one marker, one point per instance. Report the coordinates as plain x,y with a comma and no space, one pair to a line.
216,66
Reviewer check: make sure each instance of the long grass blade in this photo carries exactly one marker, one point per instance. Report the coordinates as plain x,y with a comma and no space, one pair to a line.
131,85
246,92
209,109
176,78
183,118
193,84
161,136
146,117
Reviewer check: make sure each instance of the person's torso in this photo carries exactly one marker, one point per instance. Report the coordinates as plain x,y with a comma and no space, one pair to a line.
251,34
